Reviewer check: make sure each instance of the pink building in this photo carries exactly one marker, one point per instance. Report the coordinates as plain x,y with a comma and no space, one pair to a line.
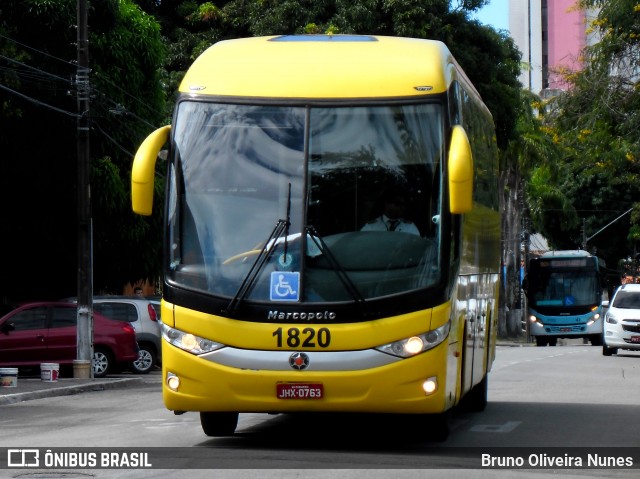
551,35
566,38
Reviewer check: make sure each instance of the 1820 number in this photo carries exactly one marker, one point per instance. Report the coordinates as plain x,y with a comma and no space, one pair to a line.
303,338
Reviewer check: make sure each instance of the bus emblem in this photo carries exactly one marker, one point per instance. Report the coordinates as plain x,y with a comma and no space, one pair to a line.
299,361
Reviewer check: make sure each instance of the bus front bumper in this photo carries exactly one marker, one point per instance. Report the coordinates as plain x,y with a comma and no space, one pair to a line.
566,330
347,381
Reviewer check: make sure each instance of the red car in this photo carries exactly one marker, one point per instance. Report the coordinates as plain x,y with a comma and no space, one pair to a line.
45,332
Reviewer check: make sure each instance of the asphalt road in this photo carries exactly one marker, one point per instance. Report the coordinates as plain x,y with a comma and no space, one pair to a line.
555,401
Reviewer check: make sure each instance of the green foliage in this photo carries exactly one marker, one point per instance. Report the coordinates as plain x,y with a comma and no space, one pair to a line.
597,124
138,53
39,133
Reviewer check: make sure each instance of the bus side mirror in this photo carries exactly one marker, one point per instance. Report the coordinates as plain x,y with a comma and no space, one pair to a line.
143,170
460,166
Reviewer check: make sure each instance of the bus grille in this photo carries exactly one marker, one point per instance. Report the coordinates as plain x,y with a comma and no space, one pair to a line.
565,329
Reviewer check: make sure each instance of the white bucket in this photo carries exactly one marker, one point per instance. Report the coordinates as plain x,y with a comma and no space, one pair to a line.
8,377
49,371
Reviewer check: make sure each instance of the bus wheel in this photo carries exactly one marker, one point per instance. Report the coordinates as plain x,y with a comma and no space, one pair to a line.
476,399
552,341
219,423
541,341
440,426
596,339
608,351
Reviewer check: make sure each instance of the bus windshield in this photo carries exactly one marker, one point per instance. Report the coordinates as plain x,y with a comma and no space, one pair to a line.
295,203
567,288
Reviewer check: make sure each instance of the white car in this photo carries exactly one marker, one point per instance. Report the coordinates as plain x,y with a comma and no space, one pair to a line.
621,325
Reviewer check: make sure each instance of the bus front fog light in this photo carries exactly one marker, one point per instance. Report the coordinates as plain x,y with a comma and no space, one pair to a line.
430,386
173,381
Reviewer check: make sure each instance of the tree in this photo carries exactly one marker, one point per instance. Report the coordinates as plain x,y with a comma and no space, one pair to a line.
139,51
38,120
596,124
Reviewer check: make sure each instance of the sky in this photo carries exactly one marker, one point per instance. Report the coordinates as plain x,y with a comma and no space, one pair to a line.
496,14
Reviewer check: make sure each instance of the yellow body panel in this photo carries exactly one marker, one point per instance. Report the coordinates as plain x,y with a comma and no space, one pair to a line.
394,388
255,67
344,337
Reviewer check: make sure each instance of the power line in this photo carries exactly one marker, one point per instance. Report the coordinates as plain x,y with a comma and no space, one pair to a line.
29,67
129,95
111,139
37,102
66,62
118,108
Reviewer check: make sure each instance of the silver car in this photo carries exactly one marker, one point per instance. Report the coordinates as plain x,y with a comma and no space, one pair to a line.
140,313
621,325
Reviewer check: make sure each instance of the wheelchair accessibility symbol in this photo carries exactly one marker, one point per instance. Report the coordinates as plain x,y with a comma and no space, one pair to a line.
285,286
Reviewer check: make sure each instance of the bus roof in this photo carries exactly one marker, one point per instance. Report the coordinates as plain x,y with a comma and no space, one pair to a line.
578,253
323,67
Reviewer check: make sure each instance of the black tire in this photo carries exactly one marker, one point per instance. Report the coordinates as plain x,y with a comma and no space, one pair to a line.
552,341
596,340
218,424
146,360
608,351
476,399
541,341
440,426
102,362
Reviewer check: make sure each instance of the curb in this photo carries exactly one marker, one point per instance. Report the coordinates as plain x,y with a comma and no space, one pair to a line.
92,385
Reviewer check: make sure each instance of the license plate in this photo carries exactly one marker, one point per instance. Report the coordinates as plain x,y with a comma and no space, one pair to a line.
565,330
635,339
299,391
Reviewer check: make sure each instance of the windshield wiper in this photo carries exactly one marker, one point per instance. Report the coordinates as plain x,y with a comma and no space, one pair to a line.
282,226
351,288
262,259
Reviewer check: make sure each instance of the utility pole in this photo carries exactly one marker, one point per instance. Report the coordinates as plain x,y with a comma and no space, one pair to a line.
82,366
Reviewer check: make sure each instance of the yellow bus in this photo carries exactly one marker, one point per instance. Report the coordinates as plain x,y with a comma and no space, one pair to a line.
284,288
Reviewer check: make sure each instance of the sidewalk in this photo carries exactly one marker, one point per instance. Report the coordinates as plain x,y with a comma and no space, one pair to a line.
514,342
28,388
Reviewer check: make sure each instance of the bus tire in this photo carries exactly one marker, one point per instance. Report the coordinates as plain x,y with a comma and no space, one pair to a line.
541,341
476,399
219,423
608,351
596,339
440,426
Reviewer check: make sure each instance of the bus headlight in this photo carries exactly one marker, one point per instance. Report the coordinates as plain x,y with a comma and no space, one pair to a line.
408,347
536,321
188,342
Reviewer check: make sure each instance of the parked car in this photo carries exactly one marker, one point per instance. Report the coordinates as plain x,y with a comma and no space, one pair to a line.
141,314
155,302
46,332
621,325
